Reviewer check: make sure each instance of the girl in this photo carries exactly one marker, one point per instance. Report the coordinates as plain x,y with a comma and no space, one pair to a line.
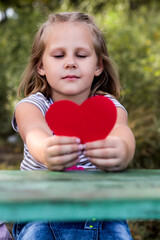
69,61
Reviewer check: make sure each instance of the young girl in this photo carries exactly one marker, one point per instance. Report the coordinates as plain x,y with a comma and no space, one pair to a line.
69,61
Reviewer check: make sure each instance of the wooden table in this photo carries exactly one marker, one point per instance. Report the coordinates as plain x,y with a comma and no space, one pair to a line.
78,195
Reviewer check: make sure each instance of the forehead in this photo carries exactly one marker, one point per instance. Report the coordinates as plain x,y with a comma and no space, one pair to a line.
74,33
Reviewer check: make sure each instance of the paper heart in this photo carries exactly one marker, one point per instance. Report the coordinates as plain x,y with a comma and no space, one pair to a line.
90,121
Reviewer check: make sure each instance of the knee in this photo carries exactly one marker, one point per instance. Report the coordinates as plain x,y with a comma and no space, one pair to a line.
119,229
34,231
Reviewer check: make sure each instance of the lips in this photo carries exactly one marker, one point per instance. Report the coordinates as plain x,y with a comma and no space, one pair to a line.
70,77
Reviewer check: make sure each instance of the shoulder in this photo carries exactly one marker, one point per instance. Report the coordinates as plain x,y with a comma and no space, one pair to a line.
38,100
115,101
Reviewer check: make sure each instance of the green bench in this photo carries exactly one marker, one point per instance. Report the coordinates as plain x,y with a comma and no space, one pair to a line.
78,195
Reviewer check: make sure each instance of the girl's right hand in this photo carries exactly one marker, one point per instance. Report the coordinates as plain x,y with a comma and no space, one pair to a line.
62,152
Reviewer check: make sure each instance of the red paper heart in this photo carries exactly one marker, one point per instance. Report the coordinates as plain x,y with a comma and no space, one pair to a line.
90,121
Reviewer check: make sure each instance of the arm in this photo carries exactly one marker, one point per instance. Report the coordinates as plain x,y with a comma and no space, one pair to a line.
115,152
56,152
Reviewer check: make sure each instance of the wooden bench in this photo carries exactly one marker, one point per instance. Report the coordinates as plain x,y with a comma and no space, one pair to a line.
46,195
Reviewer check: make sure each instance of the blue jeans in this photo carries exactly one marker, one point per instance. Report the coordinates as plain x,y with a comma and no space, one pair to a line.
89,230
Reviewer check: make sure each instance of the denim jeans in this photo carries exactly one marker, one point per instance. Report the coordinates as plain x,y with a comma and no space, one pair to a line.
89,230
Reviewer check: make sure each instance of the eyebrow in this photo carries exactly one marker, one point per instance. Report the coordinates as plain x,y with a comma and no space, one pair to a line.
54,49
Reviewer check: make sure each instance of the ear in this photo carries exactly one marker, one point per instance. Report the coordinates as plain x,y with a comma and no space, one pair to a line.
99,68
40,69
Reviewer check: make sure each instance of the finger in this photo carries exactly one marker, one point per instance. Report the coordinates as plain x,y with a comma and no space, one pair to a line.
107,142
114,169
71,164
101,153
61,167
54,140
57,150
119,167
105,163
63,160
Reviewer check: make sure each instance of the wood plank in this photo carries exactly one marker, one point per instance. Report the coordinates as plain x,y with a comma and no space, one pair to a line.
46,195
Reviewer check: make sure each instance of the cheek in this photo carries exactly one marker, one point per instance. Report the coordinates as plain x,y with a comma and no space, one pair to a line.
89,79
90,71
51,68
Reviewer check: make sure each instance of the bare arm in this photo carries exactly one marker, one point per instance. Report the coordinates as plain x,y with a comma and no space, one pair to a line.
56,152
115,152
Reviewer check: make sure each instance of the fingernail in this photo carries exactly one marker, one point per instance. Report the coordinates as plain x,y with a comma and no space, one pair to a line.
84,152
79,153
84,146
81,146
78,140
78,160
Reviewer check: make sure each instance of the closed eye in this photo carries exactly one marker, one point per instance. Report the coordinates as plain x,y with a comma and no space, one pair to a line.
81,56
58,56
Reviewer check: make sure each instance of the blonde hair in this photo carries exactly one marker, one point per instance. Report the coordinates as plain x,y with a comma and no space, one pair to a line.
106,82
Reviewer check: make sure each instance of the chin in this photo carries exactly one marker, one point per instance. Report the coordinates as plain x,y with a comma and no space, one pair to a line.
71,92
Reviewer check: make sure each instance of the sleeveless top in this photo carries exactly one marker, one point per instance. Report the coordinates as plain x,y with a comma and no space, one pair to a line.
40,101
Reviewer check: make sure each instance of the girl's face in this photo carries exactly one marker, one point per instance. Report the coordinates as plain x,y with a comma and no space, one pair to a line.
69,61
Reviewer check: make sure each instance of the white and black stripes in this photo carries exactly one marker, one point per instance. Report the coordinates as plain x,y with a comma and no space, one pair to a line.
39,100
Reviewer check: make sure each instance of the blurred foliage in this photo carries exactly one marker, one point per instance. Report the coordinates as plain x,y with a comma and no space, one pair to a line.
132,32
145,230
134,44
131,29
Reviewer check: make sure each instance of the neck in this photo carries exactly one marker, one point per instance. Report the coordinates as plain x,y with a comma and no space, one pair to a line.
76,99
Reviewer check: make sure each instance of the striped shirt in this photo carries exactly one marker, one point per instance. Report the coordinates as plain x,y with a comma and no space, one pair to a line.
40,101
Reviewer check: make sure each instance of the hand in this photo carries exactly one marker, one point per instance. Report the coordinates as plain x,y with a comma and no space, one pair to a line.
62,152
109,154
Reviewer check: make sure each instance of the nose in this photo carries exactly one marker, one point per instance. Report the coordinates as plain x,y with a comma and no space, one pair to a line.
70,63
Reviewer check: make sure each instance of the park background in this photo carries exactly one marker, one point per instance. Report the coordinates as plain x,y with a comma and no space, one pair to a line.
132,32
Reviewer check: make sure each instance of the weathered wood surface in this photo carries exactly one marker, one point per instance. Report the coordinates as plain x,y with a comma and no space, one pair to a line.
45,195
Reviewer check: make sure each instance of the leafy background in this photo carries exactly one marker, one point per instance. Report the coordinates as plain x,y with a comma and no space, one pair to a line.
132,32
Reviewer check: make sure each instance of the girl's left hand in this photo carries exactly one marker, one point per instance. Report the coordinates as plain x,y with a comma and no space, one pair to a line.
109,154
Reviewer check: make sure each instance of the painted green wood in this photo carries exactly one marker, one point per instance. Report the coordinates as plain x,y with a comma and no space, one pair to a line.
46,195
